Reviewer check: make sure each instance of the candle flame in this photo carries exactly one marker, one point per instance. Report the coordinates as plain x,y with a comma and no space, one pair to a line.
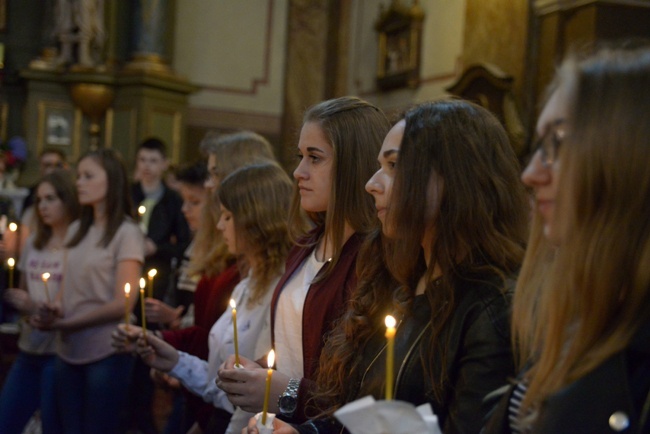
11,262
270,360
390,321
152,273
45,276
142,209
232,303
13,227
127,289
142,283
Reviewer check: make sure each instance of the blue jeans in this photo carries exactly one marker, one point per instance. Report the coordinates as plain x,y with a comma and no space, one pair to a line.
28,387
92,397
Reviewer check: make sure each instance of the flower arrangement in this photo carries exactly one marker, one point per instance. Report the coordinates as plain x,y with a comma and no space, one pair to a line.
13,153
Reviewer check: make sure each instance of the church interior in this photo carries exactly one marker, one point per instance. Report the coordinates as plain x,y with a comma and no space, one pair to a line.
177,69
77,75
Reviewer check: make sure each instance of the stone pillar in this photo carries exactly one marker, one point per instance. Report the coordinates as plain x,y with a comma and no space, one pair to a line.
316,59
152,25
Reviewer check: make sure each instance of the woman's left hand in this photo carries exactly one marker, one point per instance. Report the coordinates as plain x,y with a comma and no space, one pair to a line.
245,387
20,299
47,317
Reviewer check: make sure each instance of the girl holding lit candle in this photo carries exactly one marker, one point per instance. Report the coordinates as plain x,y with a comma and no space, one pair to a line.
209,260
254,209
336,150
29,384
104,251
451,236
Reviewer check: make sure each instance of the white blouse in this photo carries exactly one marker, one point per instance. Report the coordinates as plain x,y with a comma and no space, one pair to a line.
254,338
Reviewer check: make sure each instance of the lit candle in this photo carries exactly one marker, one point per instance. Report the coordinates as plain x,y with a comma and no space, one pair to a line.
142,210
11,262
45,277
151,274
144,319
390,354
234,326
13,228
127,294
267,393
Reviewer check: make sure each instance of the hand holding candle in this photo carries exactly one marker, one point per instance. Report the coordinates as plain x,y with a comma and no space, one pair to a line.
151,274
144,319
390,355
234,326
11,263
270,362
45,277
127,294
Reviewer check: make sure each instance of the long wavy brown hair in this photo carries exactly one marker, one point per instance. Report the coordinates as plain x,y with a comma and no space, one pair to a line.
231,151
355,129
595,293
63,184
480,228
258,196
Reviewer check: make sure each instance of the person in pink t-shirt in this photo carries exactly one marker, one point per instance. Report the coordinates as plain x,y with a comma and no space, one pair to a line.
105,251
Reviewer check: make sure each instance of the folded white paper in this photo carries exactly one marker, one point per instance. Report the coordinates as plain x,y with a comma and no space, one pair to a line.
268,427
367,416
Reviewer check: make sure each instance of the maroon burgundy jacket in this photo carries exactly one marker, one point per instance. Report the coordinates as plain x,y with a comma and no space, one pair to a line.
326,301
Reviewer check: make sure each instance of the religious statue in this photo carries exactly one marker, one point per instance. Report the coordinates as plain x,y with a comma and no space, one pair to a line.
80,22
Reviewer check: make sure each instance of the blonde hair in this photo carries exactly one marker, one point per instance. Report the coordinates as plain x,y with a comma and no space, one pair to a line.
597,290
231,151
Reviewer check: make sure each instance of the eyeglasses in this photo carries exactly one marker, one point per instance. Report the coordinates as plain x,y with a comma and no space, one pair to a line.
549,144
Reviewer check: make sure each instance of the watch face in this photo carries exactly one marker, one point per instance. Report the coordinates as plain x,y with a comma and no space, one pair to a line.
287,404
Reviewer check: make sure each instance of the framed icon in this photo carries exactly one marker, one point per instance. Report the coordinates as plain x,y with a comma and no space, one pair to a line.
59,126
399,30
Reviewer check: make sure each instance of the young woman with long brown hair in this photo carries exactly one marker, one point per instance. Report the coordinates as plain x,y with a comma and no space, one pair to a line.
30,382
581,312
338,141
454,224
254,203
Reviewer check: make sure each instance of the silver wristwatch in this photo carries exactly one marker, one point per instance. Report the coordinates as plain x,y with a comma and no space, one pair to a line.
288,401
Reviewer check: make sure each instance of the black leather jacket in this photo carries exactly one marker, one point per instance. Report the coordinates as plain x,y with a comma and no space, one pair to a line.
614,397
479,359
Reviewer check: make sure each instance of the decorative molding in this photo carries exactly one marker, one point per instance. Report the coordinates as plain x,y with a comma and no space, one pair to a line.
255,82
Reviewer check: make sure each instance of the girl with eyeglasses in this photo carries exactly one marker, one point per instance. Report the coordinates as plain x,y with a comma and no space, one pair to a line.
582,303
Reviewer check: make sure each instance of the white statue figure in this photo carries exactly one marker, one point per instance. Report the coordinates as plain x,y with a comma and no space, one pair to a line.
80,22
